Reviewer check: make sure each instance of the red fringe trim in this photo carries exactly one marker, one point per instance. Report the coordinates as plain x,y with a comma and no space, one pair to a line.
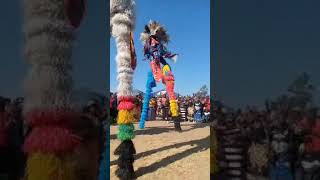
126,98
39,118
125,105
170,91
51,140
168,78
170,87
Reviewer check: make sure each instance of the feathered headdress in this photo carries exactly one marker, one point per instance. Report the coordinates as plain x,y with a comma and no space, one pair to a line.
154,29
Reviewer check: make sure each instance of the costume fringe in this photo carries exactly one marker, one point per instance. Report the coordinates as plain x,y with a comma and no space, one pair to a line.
122,21
51,140
49,117
49,167
166,69
126,98
156,70
125,105
174,108
126,132
144,114
170,90
125,117
126,153
48,86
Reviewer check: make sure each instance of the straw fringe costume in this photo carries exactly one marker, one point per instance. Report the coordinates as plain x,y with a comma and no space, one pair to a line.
155,39
122,22
49,28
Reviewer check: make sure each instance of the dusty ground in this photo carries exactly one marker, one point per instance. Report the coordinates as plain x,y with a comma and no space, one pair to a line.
165,154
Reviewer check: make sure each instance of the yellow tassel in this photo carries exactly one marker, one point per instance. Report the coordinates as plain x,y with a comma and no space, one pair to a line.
125,117
165,69
49,167
174,108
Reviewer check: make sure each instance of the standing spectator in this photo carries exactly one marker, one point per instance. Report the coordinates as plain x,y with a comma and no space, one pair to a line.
137,108
159,107
190,111
183,110
152,109
198,112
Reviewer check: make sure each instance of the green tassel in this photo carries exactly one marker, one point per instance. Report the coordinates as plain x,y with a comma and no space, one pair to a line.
126,132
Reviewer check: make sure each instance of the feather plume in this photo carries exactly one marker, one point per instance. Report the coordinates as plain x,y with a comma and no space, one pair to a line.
153,28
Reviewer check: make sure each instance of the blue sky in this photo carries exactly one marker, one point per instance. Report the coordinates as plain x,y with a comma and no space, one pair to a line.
188,24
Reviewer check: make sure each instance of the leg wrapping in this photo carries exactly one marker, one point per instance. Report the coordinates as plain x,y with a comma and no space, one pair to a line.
156,70
169,82
145,108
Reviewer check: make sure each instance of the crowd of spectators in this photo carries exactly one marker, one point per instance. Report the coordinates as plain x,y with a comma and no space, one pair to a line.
14,130
280,141
159,108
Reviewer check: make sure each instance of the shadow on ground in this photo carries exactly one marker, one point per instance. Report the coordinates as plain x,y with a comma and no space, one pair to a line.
199,145
163,129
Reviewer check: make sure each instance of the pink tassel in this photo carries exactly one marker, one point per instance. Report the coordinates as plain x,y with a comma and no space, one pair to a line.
126,98
45,118
168,78
170,87
125,105
51,140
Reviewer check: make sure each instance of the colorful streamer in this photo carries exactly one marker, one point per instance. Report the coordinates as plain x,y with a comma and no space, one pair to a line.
51,144
122,21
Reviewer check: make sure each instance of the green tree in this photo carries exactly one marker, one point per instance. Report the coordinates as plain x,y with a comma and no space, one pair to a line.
203,91
301,91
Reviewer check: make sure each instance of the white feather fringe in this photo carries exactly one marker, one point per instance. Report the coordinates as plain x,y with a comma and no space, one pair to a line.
48,49
122,21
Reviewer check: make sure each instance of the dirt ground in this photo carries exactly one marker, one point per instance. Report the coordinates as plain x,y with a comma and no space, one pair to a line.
165,154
